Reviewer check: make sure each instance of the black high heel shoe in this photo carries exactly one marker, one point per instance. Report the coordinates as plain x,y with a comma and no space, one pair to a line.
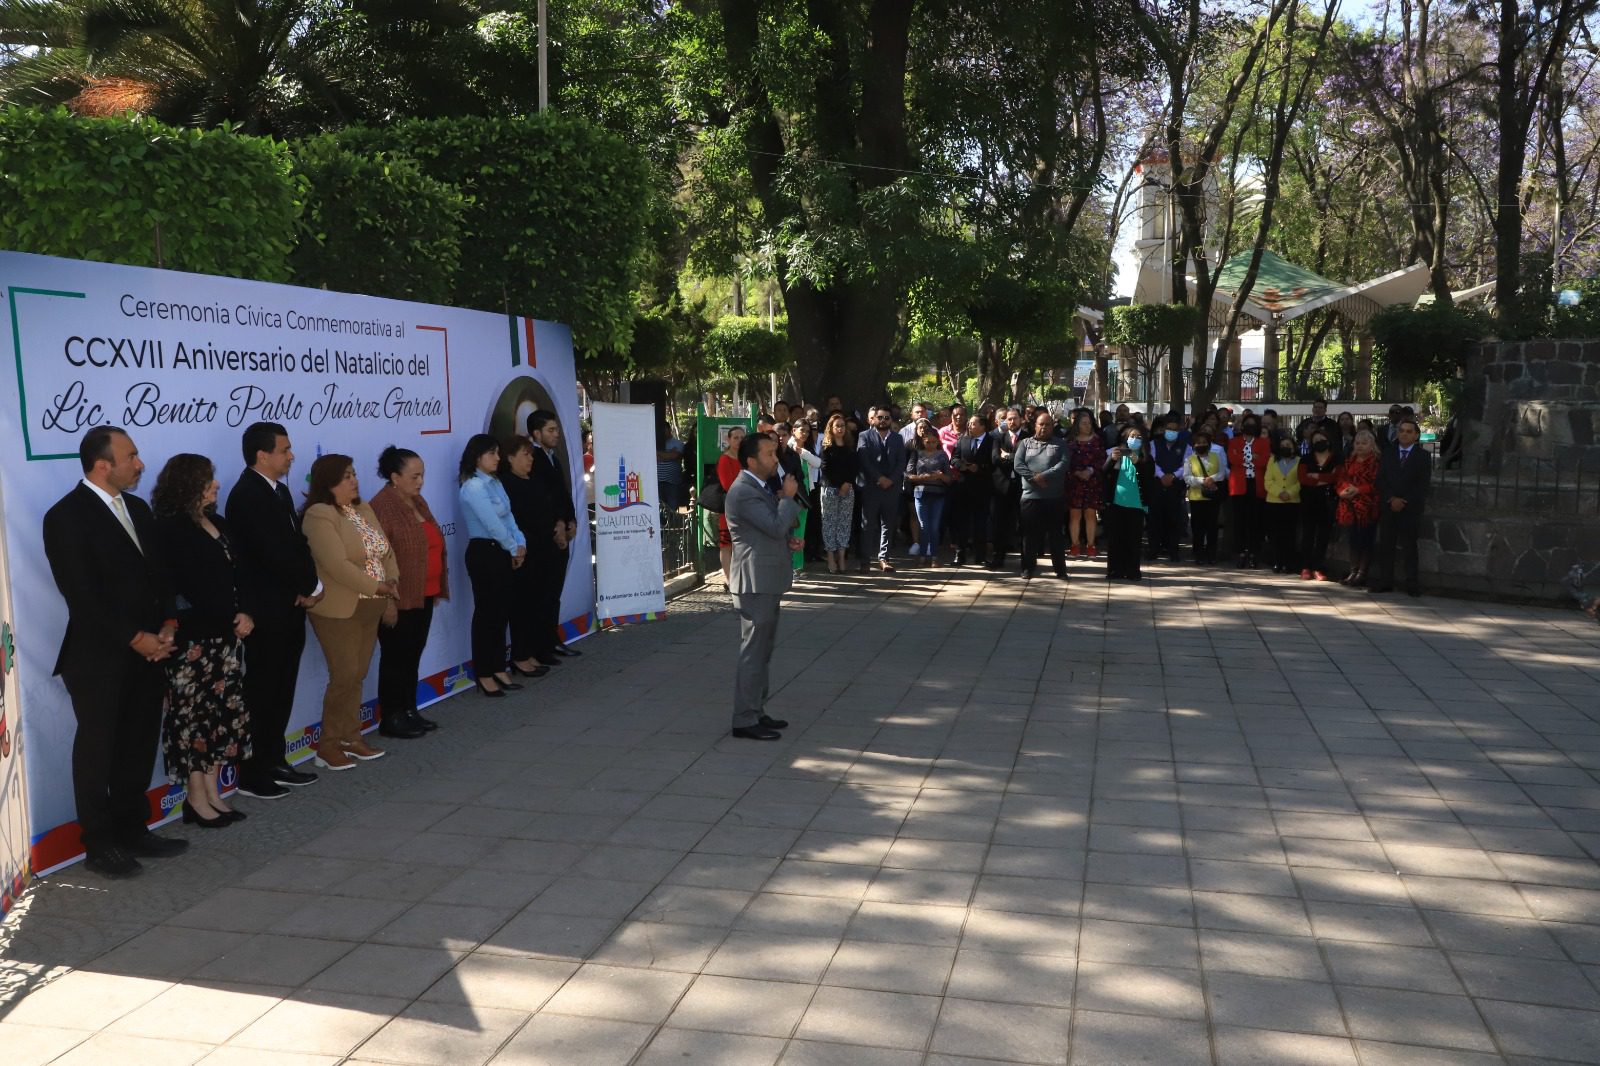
193,817
537,671
493,694
508,686
233,816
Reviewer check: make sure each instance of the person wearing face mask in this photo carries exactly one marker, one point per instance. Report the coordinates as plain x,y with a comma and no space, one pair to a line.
1130,483
1356,489
1282,504
1206,474
1248,455
1169,452
1318,472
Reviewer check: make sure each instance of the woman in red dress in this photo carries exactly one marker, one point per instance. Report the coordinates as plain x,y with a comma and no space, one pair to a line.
727,473
1086,458
1357,492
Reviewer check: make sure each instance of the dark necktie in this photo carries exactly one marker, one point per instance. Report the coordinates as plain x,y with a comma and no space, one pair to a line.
286,500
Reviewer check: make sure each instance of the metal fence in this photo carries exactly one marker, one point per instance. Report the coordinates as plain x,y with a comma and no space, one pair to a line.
678,533
1522,485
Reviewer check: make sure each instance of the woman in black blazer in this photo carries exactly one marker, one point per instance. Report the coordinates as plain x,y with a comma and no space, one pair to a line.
206,723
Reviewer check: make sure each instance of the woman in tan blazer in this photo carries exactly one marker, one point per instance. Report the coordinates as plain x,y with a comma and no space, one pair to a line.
358,572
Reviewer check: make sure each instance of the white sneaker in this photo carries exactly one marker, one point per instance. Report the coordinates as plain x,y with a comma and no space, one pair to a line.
916,549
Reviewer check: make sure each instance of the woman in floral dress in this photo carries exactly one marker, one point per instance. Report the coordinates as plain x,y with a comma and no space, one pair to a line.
206,724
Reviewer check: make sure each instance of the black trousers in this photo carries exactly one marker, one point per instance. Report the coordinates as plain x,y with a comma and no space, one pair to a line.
1044,521
1244,515
525,610
1316,529
118,707
1165,520
1003,522
1397,532
271,668
489,568
814,549
967,516
400,658
1123,526
1283,526
549,578
1203,526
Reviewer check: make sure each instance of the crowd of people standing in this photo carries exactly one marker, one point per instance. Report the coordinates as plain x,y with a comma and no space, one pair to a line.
1232,486
187,621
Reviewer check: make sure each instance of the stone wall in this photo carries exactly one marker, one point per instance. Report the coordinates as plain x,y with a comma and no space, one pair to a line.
1500,556
1533,400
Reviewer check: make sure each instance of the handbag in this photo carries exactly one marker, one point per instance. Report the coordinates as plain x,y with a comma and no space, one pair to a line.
713,497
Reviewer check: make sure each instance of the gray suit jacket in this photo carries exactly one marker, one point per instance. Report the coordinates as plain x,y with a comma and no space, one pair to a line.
759,524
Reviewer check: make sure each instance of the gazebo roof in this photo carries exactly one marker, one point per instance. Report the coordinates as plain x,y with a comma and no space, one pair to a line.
1287,291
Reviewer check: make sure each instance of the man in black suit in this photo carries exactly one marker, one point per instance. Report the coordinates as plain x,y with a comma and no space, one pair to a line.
1404,473
1007,496
275,565
971,495
550,557
100,540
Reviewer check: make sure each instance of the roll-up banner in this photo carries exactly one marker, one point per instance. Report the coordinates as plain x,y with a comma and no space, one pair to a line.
627,515
184,362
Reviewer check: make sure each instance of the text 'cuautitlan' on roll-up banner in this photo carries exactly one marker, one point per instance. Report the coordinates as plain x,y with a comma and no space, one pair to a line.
627,515
184,363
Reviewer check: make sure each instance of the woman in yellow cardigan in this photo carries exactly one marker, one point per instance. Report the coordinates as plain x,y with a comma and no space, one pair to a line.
358,572
1283,504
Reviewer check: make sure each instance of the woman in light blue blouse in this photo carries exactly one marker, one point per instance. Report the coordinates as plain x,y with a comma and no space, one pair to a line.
495,549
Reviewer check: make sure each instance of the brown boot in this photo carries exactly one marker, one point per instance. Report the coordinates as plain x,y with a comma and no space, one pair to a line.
360,749
332,757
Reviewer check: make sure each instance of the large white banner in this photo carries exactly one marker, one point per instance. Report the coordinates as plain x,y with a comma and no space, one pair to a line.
15,839
627,514
184,362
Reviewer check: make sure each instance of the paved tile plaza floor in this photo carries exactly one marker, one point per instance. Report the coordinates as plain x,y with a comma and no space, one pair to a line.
1193,821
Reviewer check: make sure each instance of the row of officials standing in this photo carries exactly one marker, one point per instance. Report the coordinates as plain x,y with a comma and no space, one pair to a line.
174,607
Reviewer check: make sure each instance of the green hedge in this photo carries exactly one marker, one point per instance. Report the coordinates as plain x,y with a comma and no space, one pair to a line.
99,188
375,225
743,347
556,218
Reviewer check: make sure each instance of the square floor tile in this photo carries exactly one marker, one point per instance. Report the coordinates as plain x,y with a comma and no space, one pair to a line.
772,956
1273,1002
1001,1030
893,1019
1126,1039
910,968
740,1005
680,1047
511,981
1043,980
1416,1017
563,1040
1163,991
443,1034
619,992
319,1023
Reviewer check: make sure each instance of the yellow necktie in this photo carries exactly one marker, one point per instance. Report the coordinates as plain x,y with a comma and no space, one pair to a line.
121,509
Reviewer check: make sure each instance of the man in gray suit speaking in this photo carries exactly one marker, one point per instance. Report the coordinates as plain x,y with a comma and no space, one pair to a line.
761,524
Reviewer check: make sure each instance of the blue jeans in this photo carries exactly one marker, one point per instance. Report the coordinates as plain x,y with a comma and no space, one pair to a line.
930,508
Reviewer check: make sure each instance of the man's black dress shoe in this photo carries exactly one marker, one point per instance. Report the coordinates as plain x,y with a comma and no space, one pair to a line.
400,726
112,862
263,790
565,649
426,723
757,732
288,775
155,847
773,723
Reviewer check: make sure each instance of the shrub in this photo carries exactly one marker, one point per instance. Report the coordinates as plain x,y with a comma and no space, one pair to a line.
743,348
99,188
1421,344
375,224
556,219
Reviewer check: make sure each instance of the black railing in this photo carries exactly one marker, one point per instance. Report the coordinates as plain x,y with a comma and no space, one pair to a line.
678,533
1521,485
